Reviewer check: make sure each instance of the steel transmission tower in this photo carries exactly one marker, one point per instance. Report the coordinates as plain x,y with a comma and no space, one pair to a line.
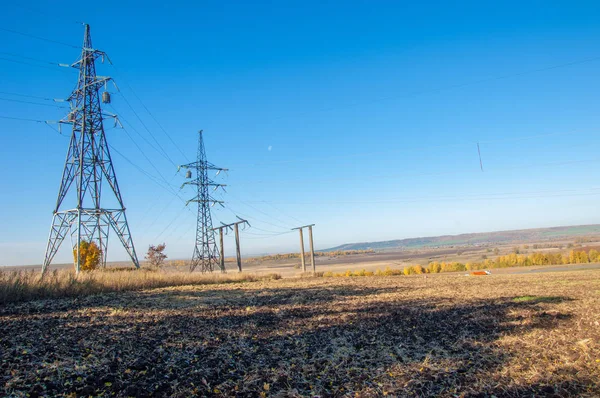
87,166
206,253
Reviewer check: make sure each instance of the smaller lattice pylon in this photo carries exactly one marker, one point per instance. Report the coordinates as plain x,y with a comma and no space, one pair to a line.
206,253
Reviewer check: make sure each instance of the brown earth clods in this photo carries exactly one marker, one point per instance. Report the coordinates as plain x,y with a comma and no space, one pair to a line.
449,336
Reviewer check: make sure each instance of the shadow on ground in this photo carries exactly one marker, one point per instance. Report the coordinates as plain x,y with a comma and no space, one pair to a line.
319,341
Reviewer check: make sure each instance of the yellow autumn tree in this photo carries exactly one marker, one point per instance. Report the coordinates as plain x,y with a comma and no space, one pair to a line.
89,255
417,269
434,267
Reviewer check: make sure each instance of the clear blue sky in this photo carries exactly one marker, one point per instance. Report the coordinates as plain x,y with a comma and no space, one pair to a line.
359,116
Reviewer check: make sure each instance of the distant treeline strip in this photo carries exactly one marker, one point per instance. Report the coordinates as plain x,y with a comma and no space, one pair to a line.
509,260
289,256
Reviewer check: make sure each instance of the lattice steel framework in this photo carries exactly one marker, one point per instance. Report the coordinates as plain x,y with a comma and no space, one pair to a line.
206,252
88,164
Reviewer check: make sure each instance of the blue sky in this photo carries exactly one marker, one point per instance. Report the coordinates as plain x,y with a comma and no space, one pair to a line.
361,117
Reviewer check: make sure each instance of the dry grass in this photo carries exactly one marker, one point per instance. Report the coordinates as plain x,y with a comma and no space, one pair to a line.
447,336
16,286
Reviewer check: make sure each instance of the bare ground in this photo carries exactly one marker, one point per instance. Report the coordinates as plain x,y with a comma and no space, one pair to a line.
447,335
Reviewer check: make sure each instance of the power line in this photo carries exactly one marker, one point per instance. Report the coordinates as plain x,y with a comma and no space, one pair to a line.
265,230
282,212
35,121
39,38
492,196
150,113
158,214
45,13
22,119
167,188
26,96
147,174
33,103
171,223
141,170
236,213
152,178
264,213
406,149
30,58
476,197
30,64
56,130
436,173
147,158
187,231
144,172
164,153
156,201
166,185
268,235
450,87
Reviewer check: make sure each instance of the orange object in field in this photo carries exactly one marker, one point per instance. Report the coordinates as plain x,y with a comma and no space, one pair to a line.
480,273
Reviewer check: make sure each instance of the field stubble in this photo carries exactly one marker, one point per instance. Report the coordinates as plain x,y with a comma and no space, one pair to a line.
17,286
502,335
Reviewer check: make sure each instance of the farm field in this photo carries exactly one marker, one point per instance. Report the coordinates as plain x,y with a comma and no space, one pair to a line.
444,335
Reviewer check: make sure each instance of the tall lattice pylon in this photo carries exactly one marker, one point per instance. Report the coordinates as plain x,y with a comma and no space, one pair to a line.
87,166
206,252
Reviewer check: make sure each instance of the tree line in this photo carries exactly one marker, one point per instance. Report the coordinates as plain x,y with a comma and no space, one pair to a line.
509,260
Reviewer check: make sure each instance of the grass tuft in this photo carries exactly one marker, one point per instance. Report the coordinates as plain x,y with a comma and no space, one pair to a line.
537,299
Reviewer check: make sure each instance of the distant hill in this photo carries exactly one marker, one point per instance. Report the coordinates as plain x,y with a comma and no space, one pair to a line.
477,239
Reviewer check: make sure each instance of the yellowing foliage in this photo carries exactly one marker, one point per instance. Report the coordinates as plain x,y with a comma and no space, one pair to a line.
89,255
510,260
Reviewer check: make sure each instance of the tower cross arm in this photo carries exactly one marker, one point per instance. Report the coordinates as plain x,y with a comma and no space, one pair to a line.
94,85
207,166
210,166
209,184
210,201
304,226
93,53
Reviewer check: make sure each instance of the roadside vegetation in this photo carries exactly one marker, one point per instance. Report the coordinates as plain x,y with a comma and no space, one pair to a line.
509,260
16,286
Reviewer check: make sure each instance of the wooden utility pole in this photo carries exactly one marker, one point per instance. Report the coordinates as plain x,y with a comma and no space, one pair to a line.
222,259
238,254
237,247
221,247
302,250
312,251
